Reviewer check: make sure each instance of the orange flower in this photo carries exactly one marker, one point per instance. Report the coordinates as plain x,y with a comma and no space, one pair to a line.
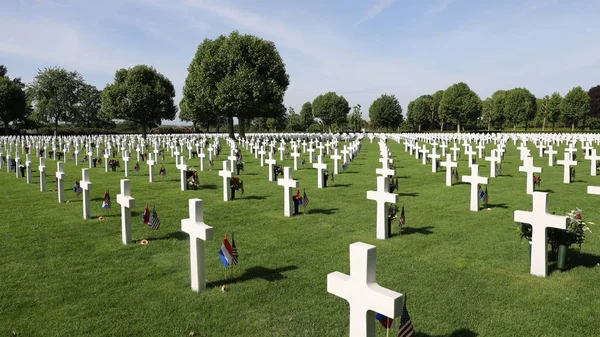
144,242
101,218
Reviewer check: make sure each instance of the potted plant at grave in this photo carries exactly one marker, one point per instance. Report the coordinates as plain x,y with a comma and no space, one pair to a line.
114,164
562,239
236,185
325,178
192,181
277,170
392,214
239,165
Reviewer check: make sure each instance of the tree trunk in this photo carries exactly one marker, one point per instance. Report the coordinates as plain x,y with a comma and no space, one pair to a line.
442,126
144,130
419,127
230,127
242,127
572,126
56,126
458,127
544,124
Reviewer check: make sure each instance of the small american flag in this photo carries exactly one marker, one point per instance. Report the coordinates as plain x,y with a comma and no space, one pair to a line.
402,217
305,199
406,327
154,220
234,252
485,196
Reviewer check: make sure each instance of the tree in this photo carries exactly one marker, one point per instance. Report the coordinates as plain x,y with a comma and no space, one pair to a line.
386,112
330,108
202,118
356,120
594,94
487,111
56,93
520,106
88,108
554,106
294,121
575,107
435,107
239,76
306,114
498,115
13,103
418,113
141,95
460,105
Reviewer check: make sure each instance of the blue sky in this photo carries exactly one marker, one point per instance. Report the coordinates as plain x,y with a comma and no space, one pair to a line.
360,49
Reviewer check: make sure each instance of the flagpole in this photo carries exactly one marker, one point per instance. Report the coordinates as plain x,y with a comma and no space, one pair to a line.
387,332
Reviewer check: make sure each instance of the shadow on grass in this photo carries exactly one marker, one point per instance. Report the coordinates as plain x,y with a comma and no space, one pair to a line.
403,177
547,191
208,187
501,205
259,272
413,194
575,258
456,333
348,172
322,211
253,197
339,185
505,175
174,235
412,230
578,181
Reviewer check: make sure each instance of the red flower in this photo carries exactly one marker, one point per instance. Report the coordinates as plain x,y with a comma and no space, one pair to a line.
578,216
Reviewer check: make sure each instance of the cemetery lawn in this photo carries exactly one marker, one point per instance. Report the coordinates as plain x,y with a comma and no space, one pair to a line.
464,273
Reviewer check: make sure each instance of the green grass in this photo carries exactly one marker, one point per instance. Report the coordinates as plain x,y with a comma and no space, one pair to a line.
464,273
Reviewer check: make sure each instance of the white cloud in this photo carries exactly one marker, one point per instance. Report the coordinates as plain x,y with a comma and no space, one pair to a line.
376,9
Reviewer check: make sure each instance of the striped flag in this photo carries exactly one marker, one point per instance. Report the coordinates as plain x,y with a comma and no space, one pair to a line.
163,171
154,220
402,217
106,203
305,199
146,216
234,252
406,327
225,252
485,196
77,188
385,321
480,189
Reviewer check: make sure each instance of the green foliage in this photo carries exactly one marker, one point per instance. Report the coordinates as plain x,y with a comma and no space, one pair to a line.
314,128
594,94
460,105
520,106
386,112
554,108
306,114
140,94
88,109
13,103
575,107
419,112
239,76
56,93
435,106
355,120
330,108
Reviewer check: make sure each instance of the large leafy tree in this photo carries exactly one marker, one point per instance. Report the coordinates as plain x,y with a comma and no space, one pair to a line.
141,95
460,105
436,121
386,112
87,111
205,118
355,120
497,113
13,103
554,106
239,76
520,106
306,114
418,114
575,107
487,111
594,94
295,121
330,108
56,93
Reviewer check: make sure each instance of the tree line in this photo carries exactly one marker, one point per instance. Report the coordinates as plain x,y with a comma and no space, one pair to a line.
242,78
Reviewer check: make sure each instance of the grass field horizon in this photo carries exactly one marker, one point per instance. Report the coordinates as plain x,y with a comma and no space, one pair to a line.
464,273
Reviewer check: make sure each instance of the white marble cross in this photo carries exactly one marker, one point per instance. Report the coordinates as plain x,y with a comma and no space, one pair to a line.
336,157
106,156
42,170
382,196
182,170
551,152
320,166
434,157
567,163
424,151
60,175
541,148
281,150
8,158
232,158
272,162
150,162
127,203
470,153
494,159
17,165
454,150
362,292
227,175
28,168
529,169
199,233
448,164
201,155
593,158
310,153
262,153
474,179
288,183
295,154
345,153
126,159
86,186
540,220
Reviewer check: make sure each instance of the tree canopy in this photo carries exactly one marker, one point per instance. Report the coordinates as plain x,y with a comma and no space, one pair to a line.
55,93
386,112
330,108
419,112
575,106
306,114
239,76
459,105
355,120
13,103
520,106
141,95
